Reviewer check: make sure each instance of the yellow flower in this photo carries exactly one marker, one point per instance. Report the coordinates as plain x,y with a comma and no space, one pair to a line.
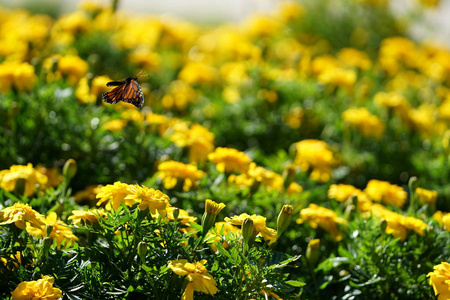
114,125
342,192
197,72
262,25
289,10
171,172
83,93
220,233
362,120
39,289
440,280
99,85
179,95
427,196
23,216
54,177
424,119
317,216
294,189
113,195
231,94
395,52
21,76
212,207
156,201
144,57
443,219
383,191
197,276
229,160
84,217
32,177
14,259
61,231
354,58
259,223
183,217
294,117
234,73
199,140
315,155
338,77
72,67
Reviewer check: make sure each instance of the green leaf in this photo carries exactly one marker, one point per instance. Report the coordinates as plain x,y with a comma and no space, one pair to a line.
295,283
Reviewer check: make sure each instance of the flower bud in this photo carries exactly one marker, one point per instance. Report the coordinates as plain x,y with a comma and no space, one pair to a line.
248,232
413,183
209,217
49,229
47,243
284,218
312,252
176,213
142,251
70,169
19,188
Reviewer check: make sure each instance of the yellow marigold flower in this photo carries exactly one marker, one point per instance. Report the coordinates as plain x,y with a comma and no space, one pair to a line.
84,217
354,58
427,196
229,160
396,52
114,125
171,172
234,73
212,207
440,280
155,200
342,192
262,25
294,117
362,120
315,155
338,77
21,76
259,223
317,216
72,67
231,94
157,121
197,72
197,276
113,195
397,224
23,216
145,58
313,251
294,189
183,216
54,177
99,85
39,289
16,261
424,119
31,176
443,219
61,232
199,140
220,233
383,191
83,93
179,95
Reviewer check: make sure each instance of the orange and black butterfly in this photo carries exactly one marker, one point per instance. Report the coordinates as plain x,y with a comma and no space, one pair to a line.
127,90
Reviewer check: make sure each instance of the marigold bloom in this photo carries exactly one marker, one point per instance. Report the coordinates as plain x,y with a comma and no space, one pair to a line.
440,280
220,232
342,192
427,196
32,177
84,217
354,58
424,119
197,275
113,195
294,189
383,191
317,216
197,72
179,95
315,155
229,160
338,77
114,125
362,120
39,289
155,200
60,231
256,175
183,216
73,67
443,219
171,172
21,76
199,140
23,216
259,223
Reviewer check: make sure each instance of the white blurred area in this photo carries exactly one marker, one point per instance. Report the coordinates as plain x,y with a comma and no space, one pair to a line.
434,26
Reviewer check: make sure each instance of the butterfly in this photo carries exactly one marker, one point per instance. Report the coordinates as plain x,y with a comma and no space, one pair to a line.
127,90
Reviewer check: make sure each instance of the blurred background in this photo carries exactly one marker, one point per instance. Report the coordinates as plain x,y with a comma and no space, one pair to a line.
430,24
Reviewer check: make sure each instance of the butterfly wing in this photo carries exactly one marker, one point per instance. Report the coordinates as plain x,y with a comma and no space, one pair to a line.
133,94
127,91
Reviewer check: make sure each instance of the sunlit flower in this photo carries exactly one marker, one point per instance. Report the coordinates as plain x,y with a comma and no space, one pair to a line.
83,93
183,218
197,276
220,232
262,25
54,177
231,94
72,67
114,125
440,280
23,216
199,140
338,77
362,120
426,196
354,58
342,192
32,177
443,219
39,289
294,189
424,119
179,95
317,216
229,160
315,155
197,72
155,200
396,52
84,217
61,232
171,172
234,73
15,260
144,57
259,223
256,175
383,191
113,195
21,76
